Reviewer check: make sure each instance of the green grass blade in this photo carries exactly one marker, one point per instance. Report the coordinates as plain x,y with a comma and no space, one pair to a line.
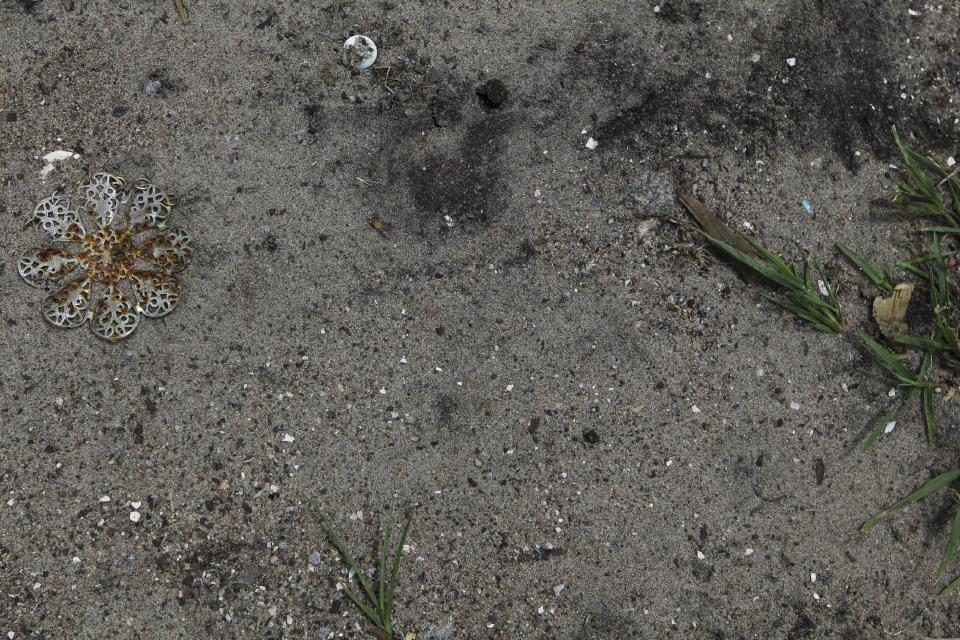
800,312
953,584
868,269
345,553
929,415
778,263
367,611
384,550
951,545
929,487
764,269
941,229
395,570
889,361
920,343
887,418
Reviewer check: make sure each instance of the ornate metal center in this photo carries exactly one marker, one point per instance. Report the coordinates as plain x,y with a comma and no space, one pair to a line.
108,255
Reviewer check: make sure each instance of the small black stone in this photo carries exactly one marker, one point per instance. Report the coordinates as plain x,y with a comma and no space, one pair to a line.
493,93
118,112
591,436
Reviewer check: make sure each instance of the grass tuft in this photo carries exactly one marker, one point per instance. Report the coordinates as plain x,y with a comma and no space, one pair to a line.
376,600
799,294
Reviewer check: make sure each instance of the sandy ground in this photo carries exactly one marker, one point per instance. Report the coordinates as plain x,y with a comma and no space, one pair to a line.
606,434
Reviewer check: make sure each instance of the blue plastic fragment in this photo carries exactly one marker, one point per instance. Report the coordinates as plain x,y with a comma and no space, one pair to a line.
807,207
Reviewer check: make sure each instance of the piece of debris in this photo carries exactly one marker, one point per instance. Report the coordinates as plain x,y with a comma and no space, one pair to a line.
713,225
889,312
791,62
819,470
152,87
104,257
807,207
182,11
56,156
359,52
378,223
591,144
493,93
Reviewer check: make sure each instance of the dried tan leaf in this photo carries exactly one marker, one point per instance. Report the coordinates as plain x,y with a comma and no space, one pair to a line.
889,312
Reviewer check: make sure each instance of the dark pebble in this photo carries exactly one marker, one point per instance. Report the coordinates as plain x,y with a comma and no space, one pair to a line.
591,436
493,93
118,112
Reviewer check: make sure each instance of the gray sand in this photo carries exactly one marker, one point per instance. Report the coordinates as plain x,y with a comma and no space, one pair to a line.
568,386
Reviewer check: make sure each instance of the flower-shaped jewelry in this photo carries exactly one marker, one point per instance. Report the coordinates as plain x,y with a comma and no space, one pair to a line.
131,250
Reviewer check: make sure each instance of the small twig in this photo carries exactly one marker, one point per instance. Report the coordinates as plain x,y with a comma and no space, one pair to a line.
951,175
182,11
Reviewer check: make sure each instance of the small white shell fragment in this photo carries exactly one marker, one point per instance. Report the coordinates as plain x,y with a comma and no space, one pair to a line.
359,52
288,438
591,144
748,552
791,62
890,426
700,555
134,516
795,406
56,156
813,577
951,161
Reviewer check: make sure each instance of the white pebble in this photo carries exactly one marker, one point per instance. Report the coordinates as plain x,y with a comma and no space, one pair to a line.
795,406
890,426
591,144
700,555
134,516
104,498
951,161
695,409
559,588
748,552
813,577
791,62
288,438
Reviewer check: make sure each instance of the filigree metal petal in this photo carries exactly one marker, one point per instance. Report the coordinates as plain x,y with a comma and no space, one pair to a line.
149,208
45,267
58,219
101,194
157,293
68,307
114,316
170,250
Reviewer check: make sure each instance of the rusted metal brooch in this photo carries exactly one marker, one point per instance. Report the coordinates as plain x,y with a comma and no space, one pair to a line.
92,273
